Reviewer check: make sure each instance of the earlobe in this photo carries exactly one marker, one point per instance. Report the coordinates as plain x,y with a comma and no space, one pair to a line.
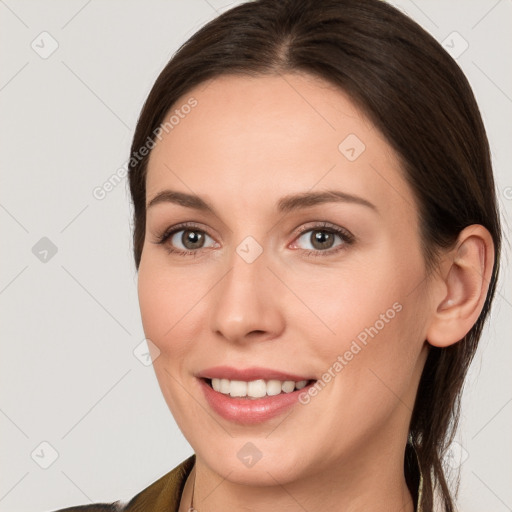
466,275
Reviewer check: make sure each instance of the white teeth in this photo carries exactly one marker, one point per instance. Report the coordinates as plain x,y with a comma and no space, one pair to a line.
256,388
238,388
288,386
274,387
224,386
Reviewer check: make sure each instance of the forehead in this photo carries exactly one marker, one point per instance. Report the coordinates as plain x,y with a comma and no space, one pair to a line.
267,135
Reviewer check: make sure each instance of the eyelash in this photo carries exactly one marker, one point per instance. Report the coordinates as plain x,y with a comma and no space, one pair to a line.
345,235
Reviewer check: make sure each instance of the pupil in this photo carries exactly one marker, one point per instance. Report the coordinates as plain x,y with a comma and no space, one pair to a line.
321,239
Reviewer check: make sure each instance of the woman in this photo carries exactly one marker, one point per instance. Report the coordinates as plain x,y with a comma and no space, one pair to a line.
317,241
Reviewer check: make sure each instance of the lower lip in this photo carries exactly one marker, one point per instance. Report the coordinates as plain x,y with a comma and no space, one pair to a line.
248,411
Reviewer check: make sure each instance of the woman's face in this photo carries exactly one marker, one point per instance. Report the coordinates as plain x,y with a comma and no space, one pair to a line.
284,278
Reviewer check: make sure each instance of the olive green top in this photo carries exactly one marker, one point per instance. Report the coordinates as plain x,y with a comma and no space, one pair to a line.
164,495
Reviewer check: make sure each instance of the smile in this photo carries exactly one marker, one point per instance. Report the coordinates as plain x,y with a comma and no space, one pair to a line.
253,400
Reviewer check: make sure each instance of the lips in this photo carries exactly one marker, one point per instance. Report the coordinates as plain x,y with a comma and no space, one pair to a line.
250,411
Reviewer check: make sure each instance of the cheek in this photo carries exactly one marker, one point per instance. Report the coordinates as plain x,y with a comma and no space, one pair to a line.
347,300
167,299
168,303
371,312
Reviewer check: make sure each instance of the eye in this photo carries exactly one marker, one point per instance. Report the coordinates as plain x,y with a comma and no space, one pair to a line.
185,239
325,238
189,239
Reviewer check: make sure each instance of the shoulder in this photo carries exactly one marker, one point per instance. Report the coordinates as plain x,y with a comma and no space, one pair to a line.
163,494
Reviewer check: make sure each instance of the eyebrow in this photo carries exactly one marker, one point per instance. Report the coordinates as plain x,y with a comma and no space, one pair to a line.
286,204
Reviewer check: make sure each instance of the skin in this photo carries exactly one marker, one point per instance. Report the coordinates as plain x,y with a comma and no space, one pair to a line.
249,142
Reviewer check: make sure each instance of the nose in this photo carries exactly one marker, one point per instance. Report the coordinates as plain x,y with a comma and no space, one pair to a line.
247,303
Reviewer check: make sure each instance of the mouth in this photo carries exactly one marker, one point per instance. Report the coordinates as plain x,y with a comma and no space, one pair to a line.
247,398
256,389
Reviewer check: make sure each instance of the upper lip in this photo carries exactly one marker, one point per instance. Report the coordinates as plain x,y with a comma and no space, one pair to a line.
249,374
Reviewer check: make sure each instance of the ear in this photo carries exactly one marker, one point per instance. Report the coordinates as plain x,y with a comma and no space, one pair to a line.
462,287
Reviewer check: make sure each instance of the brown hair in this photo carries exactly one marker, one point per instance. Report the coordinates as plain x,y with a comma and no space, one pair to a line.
420,100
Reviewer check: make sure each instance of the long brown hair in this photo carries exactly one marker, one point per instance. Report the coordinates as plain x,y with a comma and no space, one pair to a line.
420,100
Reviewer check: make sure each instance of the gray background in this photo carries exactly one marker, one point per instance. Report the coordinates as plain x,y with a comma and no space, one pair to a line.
70,320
